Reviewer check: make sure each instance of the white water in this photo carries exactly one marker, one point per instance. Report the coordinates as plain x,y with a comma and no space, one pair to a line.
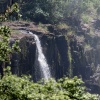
44,68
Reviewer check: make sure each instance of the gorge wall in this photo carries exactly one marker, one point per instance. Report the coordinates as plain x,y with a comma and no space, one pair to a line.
65,56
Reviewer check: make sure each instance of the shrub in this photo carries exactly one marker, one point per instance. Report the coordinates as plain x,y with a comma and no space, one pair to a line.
43,10
16,88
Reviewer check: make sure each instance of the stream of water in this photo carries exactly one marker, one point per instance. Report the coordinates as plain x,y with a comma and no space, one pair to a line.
44,68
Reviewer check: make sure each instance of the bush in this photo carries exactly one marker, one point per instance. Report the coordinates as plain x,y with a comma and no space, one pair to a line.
43,10
53,11
16,88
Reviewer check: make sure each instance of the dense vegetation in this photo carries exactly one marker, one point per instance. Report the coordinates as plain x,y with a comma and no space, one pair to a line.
13,87
5,33
58,10
54,11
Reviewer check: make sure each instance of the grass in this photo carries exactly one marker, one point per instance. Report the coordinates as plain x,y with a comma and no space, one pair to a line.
42,27
15,31
62,26
86,19
87,46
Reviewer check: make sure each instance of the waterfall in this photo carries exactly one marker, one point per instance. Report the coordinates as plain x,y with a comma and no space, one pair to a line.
44,68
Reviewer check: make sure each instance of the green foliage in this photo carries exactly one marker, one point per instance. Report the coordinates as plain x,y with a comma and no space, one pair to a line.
85,19
11,12
4,44
53,11
15,88
5,49
43,10
2,18
5,34
62,26
56,10
42,28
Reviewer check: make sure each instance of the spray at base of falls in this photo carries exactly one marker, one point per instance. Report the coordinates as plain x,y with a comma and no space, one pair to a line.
44,68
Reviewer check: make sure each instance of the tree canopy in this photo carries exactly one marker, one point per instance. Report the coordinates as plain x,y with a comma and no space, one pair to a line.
57,10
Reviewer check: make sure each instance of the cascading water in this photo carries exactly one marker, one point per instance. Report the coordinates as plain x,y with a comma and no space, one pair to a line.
44,68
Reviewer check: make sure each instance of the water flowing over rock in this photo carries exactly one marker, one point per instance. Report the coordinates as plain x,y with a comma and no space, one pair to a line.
40,62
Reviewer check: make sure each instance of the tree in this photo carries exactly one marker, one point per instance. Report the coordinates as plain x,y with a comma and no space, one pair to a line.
15,88
54,11
43,10
5,49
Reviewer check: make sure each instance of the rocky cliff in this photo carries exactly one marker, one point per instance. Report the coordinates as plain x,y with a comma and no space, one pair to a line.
67,55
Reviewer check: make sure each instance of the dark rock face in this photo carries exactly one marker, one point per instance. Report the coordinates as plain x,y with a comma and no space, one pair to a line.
23,63
78,59
55,48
